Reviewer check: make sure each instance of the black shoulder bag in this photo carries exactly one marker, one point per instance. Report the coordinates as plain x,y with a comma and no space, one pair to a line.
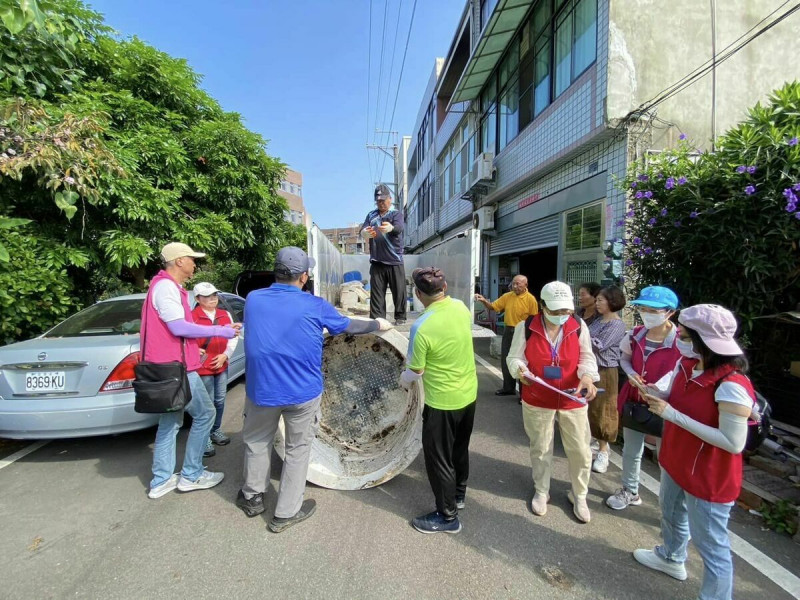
160,387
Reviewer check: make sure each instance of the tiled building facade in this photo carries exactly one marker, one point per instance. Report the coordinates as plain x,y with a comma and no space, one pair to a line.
549,93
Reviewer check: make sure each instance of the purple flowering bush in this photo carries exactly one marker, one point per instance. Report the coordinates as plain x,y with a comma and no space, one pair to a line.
724,227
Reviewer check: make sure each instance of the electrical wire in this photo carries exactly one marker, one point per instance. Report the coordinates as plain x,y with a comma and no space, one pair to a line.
402,68
380,67
389,87
369,87
726,53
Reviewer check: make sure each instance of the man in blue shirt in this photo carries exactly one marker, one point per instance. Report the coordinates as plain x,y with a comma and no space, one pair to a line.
383,228
283,353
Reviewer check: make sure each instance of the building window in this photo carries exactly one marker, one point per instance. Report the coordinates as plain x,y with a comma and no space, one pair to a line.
455,163
584,228
576,42
487,8
555,45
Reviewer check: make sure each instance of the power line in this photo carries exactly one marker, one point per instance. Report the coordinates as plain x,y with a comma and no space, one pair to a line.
369,85
726,53
380,66
391,71
402,68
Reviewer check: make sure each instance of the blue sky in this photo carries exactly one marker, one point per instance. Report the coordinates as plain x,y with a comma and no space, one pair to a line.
297,71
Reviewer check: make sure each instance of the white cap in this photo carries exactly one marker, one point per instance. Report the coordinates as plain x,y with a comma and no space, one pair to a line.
175,250
204,289
557,295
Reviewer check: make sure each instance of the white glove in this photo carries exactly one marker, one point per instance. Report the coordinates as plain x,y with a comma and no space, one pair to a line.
408,377
384,325
386,227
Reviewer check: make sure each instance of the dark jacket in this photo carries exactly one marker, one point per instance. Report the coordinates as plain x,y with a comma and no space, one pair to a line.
386,249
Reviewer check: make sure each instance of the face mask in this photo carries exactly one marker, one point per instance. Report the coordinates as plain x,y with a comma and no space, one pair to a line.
686,349
651,320
556,319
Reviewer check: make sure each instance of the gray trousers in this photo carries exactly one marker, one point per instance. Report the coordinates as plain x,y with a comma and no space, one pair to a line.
300,422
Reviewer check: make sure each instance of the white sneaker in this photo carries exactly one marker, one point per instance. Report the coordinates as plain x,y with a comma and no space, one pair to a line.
539,504
207,480
651,560
165,488
622,499
580,508
594,446
600,464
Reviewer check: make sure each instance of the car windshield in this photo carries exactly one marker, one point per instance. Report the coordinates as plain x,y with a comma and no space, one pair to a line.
118,317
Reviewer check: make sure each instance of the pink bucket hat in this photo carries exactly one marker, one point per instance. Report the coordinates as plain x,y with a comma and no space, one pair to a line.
715,325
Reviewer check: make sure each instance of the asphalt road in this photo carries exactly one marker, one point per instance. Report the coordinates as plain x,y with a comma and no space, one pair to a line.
75,522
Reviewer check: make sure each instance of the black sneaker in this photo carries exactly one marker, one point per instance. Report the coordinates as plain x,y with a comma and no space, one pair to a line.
251,506
399,322
436,523
307,509
461,502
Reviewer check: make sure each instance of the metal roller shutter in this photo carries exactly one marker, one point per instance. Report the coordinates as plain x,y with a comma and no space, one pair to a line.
538,234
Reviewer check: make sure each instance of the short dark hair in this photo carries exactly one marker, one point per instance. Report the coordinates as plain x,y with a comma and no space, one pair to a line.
712,360
614,297
591,287
286,277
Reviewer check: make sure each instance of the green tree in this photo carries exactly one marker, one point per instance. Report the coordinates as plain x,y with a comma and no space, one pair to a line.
108,150
724,227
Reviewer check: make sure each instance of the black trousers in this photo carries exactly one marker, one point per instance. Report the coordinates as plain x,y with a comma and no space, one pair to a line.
445,444
382,276
509,383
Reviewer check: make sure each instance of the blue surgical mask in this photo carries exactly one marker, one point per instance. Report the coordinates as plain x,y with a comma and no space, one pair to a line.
556,319
686,348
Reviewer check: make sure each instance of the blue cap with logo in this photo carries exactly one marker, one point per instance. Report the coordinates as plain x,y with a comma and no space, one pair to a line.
657,296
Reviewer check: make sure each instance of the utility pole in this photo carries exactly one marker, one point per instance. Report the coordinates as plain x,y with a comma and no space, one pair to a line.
393,155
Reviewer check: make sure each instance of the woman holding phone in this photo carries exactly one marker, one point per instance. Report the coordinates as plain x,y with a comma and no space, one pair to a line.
705,429
646,355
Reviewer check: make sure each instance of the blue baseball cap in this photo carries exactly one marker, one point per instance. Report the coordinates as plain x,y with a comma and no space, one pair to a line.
656,296
293,260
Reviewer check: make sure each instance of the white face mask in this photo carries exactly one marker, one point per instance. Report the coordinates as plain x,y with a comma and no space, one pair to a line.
686,348
556,319
651,320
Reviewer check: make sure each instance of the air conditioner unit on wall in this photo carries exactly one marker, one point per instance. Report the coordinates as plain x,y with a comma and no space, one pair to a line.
483,219
484,170
481,175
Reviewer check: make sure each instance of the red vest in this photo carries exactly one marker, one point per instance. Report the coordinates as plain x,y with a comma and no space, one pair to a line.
214,346
703,470
538,353
657,364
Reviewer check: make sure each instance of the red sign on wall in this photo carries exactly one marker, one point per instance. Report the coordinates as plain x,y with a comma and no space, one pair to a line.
528,201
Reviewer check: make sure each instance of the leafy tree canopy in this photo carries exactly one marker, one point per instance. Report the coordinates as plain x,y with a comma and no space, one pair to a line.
109,149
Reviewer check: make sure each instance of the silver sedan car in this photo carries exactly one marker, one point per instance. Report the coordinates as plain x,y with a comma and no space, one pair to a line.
76,379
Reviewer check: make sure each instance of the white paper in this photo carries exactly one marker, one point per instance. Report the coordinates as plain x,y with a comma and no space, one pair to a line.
528,375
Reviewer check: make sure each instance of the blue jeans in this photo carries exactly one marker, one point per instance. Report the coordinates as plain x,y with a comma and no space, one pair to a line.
217,388
202,411
632,459
682,514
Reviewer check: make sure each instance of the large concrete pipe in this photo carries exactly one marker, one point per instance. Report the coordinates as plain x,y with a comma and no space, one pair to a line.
371,428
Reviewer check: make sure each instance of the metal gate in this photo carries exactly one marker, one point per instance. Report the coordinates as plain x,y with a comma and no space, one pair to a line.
538,234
